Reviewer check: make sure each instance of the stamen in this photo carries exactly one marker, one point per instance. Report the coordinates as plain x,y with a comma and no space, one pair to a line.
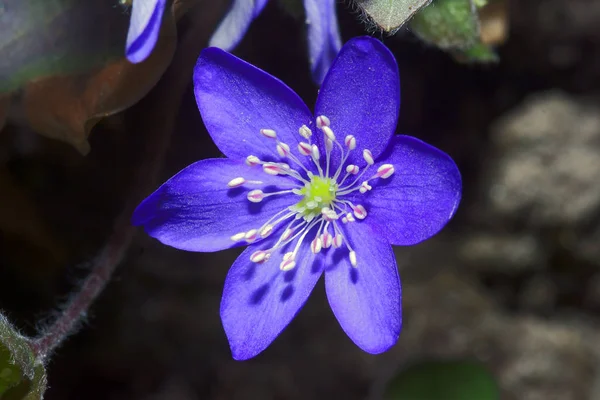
350,142
251,235
352,169
352,256
328,133
327,240
256,195
259,256
315,245
305,132
328,145
337,240
360,212
273,169
368,156
322,121
365,187
385,171
283,149
286,234
266,231
288,262
304,148
315,152
238,236
270,133
251,161
236,182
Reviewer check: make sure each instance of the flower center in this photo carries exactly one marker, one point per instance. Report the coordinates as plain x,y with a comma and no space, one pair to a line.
323,204
318,193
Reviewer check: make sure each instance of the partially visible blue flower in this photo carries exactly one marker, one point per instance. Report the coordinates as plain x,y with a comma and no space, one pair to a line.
323,33
308,195
144,27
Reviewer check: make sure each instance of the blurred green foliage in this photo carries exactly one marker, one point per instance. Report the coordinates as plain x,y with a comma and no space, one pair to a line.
22,375
443,380
454,25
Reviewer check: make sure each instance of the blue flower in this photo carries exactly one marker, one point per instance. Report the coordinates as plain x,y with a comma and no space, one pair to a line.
309,196
323,33
144,27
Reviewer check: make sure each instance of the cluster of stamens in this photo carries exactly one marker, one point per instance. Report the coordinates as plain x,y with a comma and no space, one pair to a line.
321,204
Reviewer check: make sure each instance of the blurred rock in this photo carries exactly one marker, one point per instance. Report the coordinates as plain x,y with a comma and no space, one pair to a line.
505,253
450,317
555,39
538,294
547,166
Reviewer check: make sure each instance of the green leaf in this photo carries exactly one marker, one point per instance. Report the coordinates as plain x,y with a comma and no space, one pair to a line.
443,380
448,24
41,38
480,53
390,15
22,376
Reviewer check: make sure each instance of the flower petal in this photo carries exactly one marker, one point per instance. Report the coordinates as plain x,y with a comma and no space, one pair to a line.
361,97
196,211
237,100
419,198
365,299
146,18
260,300
324,40
235,23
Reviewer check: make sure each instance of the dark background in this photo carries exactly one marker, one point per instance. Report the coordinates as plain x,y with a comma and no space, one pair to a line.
513,281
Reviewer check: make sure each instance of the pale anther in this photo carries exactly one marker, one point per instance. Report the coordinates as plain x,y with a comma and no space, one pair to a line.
368,156
352,169
288,262
327,240
273,169
322,121
315,245
385,171
287,234
258,256
352,257
251,235
328,144
283,149
236,182
270,133
304,148
328,133
305,132
266,231
251,161
337,241
364,187
238,236
350,142
256,195
350,217
315,152
360,212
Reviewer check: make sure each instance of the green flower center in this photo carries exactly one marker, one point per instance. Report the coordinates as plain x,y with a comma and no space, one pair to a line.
318,193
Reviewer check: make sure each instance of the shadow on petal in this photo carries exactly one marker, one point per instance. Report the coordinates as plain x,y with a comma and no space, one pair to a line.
287,293
259,294
354,275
